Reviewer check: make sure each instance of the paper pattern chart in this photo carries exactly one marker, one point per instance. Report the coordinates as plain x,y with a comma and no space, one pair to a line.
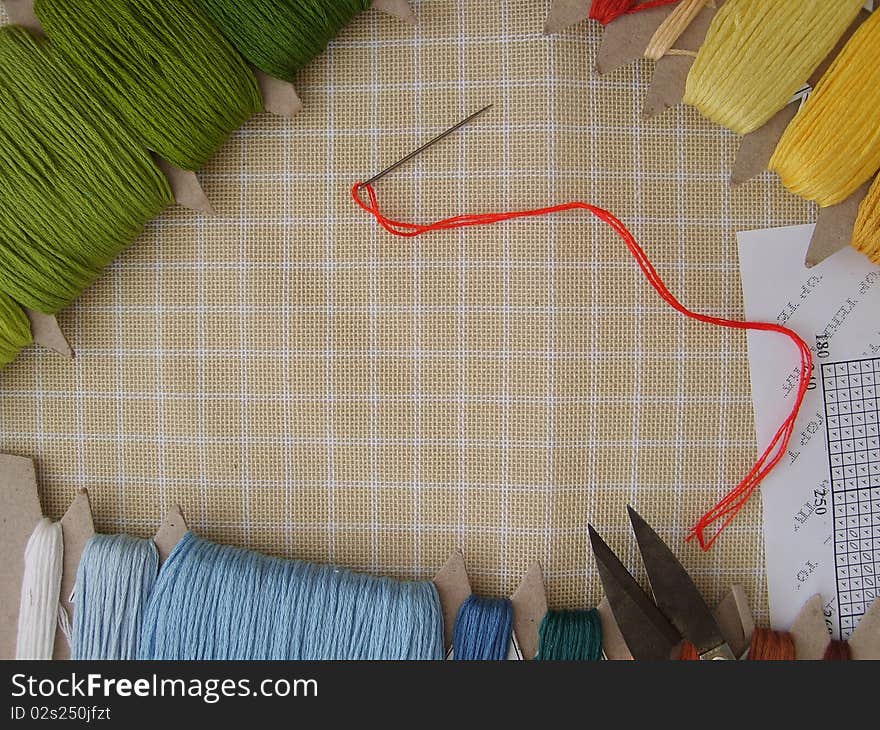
822,504
852,413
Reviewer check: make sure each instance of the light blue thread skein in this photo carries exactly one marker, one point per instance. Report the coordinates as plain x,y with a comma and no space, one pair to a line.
215,601
115,576
483,629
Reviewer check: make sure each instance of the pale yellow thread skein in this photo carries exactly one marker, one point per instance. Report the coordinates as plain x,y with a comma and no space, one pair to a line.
833,145
866,236
670,30
758,53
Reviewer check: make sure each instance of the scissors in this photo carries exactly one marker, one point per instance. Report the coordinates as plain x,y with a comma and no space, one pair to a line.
654,627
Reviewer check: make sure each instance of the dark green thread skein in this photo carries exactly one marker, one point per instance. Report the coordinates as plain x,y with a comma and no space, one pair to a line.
75,188
177,83
15,330
279,37
570,636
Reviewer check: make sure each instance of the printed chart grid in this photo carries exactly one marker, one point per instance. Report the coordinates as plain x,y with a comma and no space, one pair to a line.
852,412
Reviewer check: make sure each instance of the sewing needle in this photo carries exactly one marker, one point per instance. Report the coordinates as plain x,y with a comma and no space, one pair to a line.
427,145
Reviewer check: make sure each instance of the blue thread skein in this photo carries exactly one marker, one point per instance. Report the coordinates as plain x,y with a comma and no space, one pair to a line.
215,601
114,578
483,629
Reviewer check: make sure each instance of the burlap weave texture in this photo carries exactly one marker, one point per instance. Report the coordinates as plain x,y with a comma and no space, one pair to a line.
302,383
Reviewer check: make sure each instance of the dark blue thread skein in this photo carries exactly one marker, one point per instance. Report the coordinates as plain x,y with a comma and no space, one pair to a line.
483,629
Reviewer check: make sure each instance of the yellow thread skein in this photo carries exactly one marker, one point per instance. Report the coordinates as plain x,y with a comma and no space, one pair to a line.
758,53
833,145
866,236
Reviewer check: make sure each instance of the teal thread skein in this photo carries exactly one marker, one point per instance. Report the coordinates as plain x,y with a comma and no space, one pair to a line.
570,636
279,37
176,82
115,577
483,629
215,601
75,188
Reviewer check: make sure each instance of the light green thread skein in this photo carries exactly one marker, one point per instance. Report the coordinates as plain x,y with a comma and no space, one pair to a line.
75,188
15,330
281,36
177,83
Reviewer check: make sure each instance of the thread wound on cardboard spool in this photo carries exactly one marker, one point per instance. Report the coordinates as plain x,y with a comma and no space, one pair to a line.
176,82
113,582
839,651
770,645
281,36
866,235
833,145
220,602
672,27
15,330
570,636
75,188
766,645
483,629
723,513
40,589
607,11
758,53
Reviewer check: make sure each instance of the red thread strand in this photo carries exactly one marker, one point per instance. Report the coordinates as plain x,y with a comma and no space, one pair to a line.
607,11
727,509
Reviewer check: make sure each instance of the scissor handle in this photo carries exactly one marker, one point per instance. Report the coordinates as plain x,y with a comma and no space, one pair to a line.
722,652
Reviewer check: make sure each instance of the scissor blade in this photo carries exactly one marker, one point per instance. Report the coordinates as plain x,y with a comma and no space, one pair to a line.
674,590
647,632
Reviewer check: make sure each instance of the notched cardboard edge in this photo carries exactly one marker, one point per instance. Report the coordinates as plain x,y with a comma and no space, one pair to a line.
735,619
398,8
21,12
529,608
47,333
670,75
453,587
809,630
279,96
757,147
170,532
626,39
77,527
865,640
185,187
565,13
613,644
834,227
20,511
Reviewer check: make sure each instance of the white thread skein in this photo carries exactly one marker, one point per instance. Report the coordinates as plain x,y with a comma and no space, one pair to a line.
40,591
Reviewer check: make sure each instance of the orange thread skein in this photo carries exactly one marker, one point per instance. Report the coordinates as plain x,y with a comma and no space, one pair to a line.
769,645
